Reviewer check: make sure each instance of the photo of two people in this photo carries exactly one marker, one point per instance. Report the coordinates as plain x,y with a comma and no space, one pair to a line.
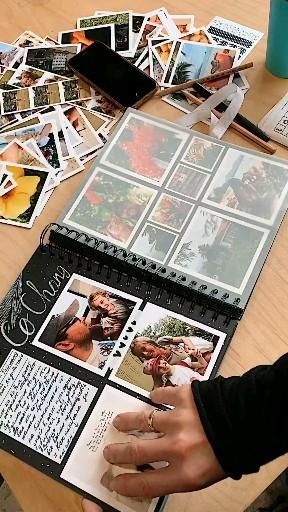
168,350
86,321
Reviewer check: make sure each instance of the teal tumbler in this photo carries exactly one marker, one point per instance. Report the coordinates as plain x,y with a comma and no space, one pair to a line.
277,44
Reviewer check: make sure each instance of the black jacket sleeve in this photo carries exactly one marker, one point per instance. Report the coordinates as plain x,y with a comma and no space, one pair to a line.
246,418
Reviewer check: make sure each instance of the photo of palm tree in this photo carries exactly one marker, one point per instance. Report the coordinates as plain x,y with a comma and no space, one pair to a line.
196,60
215,245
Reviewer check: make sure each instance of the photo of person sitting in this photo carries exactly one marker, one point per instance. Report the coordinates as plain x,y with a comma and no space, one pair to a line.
170,348
178,374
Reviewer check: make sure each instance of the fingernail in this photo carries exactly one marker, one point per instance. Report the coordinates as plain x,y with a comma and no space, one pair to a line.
116,422
106,453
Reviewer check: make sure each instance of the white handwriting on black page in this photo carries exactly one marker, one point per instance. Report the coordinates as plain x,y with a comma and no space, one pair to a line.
22,323
41,406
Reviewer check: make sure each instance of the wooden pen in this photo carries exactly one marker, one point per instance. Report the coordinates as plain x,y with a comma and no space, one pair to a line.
203,80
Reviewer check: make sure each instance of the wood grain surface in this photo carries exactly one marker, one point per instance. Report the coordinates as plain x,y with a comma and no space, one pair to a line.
261,336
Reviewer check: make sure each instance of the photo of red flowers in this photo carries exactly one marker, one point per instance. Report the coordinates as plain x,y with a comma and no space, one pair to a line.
111,207
145,148
171,212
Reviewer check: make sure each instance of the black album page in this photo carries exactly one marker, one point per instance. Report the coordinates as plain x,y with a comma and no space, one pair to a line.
81,343
203,209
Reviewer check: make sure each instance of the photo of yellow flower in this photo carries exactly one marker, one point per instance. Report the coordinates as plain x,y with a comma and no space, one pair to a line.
18,206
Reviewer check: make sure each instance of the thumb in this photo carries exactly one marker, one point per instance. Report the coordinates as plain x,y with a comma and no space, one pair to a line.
89,506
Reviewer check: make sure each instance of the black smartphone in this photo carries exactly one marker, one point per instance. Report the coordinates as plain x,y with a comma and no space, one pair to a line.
113,76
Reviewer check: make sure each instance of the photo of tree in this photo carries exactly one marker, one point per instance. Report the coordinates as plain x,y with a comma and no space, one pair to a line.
215,245
196,60
111,207
203,153
159,148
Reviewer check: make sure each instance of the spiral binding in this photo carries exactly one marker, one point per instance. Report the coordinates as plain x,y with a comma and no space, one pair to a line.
102,255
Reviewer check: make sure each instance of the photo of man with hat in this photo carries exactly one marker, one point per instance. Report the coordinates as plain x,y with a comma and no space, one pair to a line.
70,334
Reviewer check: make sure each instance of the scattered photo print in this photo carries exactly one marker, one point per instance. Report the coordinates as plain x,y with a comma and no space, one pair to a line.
6,120
274,498
28,38
171,212
167,350
88,452
163,51
171,62
203,153
5,79
25,76
18,206
15,101
197,60
249,185
121,23
187,181
111,207
8,54
100,104
86,321
18,153
45,135
219,249
53,59
44,95
76,90
137,24
198,36
183,23
160,146
88,36
154,243
89,139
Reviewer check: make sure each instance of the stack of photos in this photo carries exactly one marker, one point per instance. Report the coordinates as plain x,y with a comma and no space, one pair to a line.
197,206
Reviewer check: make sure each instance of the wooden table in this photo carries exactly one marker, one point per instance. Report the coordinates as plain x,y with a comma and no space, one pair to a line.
260,338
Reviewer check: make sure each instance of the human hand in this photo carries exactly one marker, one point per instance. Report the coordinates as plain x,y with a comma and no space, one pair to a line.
195,352
192,464
89,506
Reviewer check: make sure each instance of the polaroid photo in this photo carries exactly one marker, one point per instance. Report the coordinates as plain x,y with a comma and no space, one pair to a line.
202,60
50,41
45,95
110,207
28,38
148,30
7,181
249,186
214,245
138,21
198,35
56,115
46,137
9,54
162,50
86,323
73,90
188,181
19,207
98,121
53,59
89,138
228,33
16,152
154,243
72,166
168,350
32,147
183,22
122,23
101,105
160,146
26,76
5,79
88,450
171,62
85,37
7,121
171,212
156,70
15,101
162,18
203,153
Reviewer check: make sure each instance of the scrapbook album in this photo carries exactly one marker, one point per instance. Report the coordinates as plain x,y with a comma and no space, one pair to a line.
139,285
